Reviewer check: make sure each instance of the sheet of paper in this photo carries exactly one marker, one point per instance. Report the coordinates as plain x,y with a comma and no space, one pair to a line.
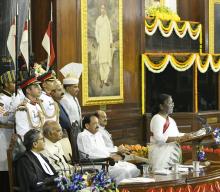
138,180
190,166
163,172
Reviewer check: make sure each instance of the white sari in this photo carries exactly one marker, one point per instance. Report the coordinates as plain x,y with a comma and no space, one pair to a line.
163,155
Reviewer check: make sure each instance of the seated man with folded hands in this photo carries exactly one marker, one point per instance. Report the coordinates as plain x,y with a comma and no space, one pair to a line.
90,142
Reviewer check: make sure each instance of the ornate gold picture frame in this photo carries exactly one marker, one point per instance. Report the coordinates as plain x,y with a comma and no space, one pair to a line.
212,4
102,51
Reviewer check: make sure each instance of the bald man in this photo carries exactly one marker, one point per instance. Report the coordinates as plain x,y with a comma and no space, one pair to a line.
107,137
53,150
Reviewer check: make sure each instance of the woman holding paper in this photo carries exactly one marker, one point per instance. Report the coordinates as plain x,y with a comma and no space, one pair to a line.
165,150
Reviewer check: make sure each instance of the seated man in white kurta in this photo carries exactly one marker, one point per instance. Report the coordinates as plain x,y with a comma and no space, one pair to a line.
90,141
107,137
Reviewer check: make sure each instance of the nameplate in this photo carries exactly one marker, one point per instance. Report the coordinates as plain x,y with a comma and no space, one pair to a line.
212,120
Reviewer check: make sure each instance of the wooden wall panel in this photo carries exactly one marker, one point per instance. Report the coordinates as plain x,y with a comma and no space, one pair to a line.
68,32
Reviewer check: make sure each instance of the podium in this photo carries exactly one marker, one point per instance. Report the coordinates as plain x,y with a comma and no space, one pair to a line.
203,136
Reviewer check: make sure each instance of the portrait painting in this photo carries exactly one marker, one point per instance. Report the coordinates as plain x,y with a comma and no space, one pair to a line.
102,51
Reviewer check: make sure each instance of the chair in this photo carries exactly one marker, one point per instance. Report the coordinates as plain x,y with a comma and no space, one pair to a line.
15,150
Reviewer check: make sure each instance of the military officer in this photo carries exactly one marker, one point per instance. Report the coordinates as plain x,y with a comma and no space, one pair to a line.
29,116
48,105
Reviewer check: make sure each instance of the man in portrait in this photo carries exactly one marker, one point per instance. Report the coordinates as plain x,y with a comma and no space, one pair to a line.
103,35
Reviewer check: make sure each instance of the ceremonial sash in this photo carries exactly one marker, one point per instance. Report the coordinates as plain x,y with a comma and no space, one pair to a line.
166,125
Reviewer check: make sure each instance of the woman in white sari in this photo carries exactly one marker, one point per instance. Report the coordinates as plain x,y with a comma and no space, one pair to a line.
164,149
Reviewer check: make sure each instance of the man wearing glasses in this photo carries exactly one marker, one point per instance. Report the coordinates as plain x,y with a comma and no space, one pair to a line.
32,168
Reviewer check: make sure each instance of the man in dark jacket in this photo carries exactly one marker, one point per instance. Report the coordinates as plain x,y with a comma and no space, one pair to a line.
64,120
32,168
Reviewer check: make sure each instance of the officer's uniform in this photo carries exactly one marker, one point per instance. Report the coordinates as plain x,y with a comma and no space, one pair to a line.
29,116
48,105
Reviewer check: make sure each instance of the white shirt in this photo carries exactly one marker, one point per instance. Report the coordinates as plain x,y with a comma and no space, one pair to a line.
92,144
72,107
48,107
156,127
24,123
107,137
43,163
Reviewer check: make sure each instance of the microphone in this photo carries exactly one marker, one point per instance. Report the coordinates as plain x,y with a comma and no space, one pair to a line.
205,125
201,120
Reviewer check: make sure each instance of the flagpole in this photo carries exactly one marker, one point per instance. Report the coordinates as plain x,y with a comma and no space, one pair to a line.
51,26
16,50
30,51
51,11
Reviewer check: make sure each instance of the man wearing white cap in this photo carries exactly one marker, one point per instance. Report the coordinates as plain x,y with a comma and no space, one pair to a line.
72,73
